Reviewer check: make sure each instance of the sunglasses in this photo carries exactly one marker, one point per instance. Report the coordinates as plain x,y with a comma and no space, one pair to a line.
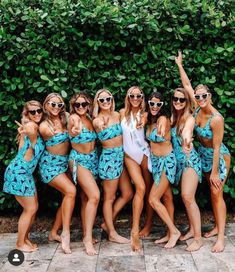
155,104
77,105
33,112
135,96
201,96
105,99
180,99
59,105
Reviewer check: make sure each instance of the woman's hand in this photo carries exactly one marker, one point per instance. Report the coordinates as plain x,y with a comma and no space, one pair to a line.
140,121
21,129
179,59
216,181
76,128
104,124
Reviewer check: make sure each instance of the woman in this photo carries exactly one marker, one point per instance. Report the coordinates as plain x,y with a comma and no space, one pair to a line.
83,162
18,178
215,157
107,125
54,164
188,162
163,165
136,159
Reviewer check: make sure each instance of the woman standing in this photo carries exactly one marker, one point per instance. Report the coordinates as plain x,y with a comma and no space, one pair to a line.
84,163
107,125
189,170
18,178
54,164
215,157
136,159
163,164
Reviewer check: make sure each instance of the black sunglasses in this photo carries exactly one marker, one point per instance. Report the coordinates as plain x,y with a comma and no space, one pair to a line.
33,112
135,96
77,105
155,104
181,99
105,99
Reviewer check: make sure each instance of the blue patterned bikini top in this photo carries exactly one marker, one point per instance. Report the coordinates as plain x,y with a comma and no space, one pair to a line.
59,138
85,136
205,131
110,132
153,137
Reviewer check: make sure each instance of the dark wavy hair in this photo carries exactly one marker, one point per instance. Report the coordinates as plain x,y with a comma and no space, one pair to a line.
162,112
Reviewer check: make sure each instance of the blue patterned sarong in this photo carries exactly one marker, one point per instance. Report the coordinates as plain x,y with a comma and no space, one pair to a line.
166,164
111,163
51,165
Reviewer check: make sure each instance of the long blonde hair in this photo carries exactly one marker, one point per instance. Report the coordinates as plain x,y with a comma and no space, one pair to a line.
25,113
127,109
96,108
179,119
62,113
75,97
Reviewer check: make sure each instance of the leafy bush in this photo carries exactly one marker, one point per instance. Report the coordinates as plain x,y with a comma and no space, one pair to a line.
66,46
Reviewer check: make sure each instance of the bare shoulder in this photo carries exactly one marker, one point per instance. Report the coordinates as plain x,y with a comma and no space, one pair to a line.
217,120
116,114
45,129
122,113
74,117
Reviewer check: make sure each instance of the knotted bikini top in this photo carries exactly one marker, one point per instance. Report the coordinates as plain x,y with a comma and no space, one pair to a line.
85,136
205,131
153,137
110,132
59,138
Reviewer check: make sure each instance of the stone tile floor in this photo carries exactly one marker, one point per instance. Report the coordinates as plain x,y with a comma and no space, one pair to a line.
115,257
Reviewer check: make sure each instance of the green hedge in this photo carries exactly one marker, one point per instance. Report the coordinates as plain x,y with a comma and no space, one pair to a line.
67,46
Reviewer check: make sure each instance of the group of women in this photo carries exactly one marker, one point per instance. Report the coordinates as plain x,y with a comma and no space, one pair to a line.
139,143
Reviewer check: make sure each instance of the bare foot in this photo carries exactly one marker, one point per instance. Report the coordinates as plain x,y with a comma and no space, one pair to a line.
195,245
218,247
145,231
211,233
54,238
94,241
30,243
104,227
90,250
65,243
162,240
26,248
173,239
116,238
188,235
135,242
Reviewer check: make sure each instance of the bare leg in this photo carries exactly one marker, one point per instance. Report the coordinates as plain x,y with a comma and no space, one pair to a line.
53,235
189,184
110,188
149,210
135,173
30,206
126,190
219,209
167,200
91,190
63,184
155,201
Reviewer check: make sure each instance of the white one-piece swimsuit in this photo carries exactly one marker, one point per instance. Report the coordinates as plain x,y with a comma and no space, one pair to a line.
134,143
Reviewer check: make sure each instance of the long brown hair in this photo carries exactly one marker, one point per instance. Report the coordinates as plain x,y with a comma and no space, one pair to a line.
25,113
179,119
62,113
75,97
127,109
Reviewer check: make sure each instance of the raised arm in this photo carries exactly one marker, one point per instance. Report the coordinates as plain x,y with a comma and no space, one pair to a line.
187,134
74,125
184,78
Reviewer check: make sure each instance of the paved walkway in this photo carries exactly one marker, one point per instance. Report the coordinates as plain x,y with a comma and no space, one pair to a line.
115,257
